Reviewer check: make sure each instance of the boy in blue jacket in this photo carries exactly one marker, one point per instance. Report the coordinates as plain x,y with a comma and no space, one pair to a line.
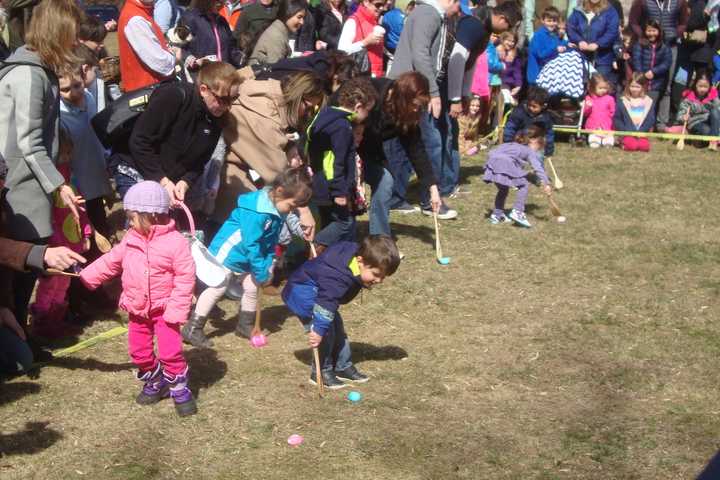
545,44
315,291
331,150
532,112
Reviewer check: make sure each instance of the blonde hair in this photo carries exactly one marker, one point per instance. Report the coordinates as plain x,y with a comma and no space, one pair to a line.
53,32
297,89
219,77
588,7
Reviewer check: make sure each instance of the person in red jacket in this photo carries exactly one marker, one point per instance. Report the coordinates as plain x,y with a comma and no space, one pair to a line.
145,58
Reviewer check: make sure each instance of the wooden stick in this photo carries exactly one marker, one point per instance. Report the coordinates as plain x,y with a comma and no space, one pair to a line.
681,143
258,307
438,248
554,206
318,372
313,252
557,183
55,271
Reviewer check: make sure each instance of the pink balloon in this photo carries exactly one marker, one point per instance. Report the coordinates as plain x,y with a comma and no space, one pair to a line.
258,341
295,440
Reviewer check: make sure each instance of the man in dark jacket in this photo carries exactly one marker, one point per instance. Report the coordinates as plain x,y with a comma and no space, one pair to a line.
316,290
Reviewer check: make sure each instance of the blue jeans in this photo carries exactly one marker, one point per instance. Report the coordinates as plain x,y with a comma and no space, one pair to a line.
338,225
708,128
15,354
381,183
400,168
334,349
437,135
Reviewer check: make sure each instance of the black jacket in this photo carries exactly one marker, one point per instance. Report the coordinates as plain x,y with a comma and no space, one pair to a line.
175,136
520,120
380,127
327,25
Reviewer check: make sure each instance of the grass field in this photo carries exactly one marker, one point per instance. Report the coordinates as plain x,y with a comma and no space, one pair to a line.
580,351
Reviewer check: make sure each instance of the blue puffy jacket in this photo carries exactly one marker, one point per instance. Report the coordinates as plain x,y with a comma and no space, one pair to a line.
543,48
321,285
602,29
246,241
642,61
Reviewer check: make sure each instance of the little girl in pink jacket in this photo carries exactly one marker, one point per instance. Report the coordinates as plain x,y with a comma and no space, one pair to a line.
158,279
599,111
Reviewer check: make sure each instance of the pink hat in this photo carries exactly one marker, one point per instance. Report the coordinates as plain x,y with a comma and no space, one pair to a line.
148,197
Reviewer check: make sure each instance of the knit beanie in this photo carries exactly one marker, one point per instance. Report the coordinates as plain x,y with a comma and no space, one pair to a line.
148,197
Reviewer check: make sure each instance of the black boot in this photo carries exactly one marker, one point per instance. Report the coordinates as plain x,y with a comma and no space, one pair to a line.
246,322
193,334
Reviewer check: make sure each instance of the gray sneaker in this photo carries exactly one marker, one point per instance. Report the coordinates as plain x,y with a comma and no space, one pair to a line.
405,208
444,213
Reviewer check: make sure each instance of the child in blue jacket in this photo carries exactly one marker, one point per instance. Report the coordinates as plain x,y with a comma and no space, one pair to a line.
652,58
545,44
331,151
245,246
532,112
315,291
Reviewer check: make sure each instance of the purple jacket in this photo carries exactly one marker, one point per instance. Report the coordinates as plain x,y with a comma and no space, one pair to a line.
511,76
509,161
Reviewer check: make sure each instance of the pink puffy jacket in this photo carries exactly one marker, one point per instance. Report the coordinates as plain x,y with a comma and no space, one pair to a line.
158,273
481,77
599,115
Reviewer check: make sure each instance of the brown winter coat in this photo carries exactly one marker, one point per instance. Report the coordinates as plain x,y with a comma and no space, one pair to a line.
255,136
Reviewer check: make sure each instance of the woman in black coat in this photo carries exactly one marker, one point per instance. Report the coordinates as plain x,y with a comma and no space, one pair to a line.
329,18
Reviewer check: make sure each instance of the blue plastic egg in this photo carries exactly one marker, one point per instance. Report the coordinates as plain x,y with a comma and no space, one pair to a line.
354,396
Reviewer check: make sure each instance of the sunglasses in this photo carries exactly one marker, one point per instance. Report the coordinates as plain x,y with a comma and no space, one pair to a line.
378,5
227,100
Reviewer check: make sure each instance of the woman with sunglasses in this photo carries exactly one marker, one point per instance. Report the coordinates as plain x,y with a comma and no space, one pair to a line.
174,138
361,32
212,38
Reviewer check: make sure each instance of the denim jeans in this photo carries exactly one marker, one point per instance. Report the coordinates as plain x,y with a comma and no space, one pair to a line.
334,350
338,225
381,183
123,184
437,135
708,128
400,168
15,354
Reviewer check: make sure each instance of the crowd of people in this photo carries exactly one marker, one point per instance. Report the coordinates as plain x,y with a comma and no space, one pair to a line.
267,120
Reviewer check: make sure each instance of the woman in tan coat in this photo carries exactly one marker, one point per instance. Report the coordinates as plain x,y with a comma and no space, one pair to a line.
256,133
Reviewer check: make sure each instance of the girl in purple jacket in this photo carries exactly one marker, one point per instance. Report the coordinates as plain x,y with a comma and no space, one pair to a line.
511,76
505,168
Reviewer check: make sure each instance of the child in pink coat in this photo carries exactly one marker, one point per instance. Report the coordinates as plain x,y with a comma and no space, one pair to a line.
50,309
158,279
599,111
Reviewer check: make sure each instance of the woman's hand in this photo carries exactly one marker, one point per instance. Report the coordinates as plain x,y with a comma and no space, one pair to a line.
593,47
72,201
372,39
583,45
435,200
61,258
7,318
320,45
649,75
308,223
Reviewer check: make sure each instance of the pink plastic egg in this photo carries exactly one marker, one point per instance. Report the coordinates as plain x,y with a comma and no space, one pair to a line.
294,440
258,341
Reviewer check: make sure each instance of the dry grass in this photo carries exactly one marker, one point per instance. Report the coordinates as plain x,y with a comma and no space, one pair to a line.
578,351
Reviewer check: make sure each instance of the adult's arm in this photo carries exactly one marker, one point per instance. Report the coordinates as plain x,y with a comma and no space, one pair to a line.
575,28
470,33
22,256
421,42
635,17
145,44
347,37
27,87
152,129
683,18
611,33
